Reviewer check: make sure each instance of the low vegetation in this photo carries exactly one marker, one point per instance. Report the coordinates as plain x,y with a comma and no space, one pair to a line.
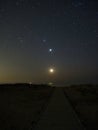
21,105
84,99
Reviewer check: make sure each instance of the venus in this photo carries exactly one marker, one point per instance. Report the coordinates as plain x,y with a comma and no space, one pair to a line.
51,70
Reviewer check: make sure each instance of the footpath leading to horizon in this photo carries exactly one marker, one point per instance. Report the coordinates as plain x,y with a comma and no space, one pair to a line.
59,114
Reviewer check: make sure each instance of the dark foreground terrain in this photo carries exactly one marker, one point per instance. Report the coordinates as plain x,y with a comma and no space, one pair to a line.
59,114
84,100
21,105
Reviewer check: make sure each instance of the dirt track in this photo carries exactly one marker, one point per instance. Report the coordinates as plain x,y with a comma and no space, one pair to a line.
59,115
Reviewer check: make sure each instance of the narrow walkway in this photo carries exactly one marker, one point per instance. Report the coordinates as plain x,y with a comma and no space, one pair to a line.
59,115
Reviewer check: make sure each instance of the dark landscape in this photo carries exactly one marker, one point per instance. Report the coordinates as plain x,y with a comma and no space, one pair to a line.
21,105
84,100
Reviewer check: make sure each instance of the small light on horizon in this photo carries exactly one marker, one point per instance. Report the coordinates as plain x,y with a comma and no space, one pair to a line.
30,83
50,83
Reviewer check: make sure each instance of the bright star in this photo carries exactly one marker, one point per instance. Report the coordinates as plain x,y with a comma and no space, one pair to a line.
50,50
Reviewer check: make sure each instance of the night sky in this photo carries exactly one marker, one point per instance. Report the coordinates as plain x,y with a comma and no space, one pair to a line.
38,35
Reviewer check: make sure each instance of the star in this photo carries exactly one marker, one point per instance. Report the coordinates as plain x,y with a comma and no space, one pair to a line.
44,40
50,50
